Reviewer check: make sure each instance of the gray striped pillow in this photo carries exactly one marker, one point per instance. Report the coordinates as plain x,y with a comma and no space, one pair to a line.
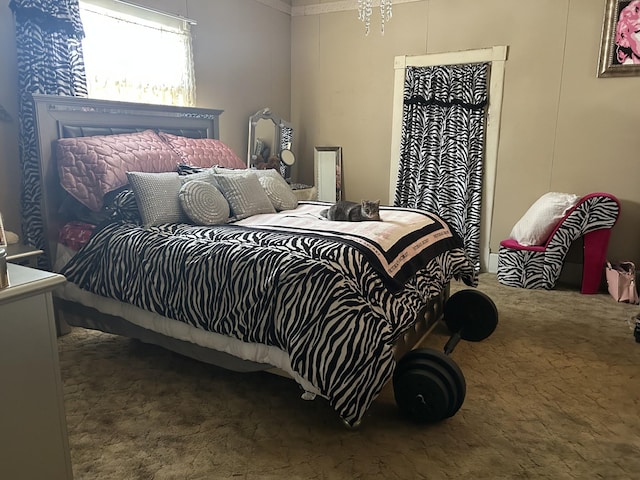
279,192
245,195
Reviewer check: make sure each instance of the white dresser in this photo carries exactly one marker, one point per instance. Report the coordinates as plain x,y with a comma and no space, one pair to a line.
33,429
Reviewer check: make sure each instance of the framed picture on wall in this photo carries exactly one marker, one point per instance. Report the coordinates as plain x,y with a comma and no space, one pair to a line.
620,42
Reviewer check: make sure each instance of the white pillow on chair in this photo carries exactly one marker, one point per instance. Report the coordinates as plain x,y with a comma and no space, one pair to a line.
538,222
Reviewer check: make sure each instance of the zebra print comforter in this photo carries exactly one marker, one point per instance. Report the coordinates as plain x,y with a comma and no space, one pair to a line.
317,298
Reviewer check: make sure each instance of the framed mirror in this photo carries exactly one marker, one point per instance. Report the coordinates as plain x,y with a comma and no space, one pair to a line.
270,141
328,173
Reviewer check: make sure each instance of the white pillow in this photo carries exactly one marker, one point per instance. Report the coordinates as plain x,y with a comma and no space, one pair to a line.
537,224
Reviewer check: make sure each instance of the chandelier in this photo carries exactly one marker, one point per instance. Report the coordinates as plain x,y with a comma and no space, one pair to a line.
365,7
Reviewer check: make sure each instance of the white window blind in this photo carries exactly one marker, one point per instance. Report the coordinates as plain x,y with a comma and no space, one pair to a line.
134,54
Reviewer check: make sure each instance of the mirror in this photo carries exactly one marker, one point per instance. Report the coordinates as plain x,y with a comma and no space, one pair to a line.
270,140
328,173
287,157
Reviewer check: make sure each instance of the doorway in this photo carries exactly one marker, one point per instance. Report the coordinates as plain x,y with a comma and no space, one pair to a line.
496,57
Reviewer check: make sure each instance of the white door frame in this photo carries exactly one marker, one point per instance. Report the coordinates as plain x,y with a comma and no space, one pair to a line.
497,56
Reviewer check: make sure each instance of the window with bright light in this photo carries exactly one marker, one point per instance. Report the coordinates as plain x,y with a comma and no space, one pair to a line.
137,55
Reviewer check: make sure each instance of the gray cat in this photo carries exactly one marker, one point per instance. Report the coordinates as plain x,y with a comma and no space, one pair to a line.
367,210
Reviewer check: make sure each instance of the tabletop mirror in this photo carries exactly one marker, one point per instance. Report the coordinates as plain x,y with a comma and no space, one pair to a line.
270,140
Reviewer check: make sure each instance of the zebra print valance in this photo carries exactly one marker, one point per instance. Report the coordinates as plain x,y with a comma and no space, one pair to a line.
50,15
448,85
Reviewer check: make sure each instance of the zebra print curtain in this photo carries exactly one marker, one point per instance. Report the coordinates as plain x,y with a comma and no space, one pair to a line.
442,146
49,50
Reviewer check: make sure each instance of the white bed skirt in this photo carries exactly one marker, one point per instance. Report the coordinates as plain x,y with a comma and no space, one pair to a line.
253,352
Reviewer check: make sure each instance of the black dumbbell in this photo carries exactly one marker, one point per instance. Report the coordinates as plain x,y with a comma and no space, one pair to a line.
428,385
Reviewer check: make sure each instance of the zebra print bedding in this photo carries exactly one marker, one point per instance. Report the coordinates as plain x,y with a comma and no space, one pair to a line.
317,298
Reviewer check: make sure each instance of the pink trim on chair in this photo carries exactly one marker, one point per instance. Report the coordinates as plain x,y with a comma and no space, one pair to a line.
511,243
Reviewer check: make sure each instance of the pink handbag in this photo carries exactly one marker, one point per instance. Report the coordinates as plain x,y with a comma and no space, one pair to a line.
621,282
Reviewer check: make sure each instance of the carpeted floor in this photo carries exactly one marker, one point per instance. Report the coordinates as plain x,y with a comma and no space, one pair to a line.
554,393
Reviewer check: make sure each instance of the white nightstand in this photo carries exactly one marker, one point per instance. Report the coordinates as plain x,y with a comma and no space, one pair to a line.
34,429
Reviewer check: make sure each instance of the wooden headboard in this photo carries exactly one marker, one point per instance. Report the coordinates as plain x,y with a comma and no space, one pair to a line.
60,116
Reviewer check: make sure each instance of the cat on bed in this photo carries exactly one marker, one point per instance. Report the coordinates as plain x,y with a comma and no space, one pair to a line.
344,211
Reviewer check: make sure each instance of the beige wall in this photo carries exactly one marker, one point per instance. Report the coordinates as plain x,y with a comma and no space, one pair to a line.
562,128
242,63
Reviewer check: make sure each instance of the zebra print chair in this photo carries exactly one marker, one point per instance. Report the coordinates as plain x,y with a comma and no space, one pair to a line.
539,266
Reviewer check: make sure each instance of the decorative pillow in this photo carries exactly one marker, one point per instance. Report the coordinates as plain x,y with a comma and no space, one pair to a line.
258,172
232,171
72,210
118,204
124,206
90,167
270,172
245,195
279,192
75,235
157,197
203,203
184,169
281,197
206,175
539,221
202,152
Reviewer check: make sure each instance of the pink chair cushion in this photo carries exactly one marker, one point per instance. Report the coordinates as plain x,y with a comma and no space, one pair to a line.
511,243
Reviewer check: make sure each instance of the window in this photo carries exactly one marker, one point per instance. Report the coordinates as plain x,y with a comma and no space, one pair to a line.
137,55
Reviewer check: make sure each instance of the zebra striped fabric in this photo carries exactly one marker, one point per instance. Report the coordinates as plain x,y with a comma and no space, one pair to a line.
539,268
50,61
317,299
442,146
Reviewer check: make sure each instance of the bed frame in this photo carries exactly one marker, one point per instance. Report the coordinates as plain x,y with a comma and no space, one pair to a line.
60,117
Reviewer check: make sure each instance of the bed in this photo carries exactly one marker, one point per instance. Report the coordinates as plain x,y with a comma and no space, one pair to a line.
334,306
